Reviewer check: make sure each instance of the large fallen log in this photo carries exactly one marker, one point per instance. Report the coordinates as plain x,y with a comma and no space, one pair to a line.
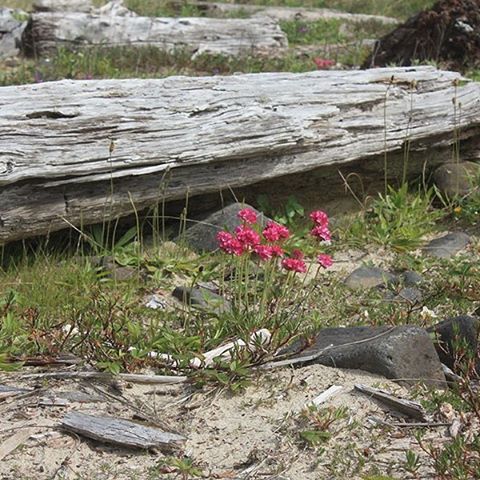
84,151
259,36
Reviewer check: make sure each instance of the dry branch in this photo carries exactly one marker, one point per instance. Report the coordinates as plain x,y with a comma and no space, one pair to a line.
192,136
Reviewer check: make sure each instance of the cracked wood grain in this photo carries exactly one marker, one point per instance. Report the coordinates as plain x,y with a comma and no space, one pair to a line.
195,136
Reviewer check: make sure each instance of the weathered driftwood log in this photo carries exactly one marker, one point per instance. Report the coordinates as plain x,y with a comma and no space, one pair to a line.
120,432
84,151
288,13
260,36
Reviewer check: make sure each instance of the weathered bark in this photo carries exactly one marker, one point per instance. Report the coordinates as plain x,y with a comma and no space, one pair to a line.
184,136
48,31
288,13
120,432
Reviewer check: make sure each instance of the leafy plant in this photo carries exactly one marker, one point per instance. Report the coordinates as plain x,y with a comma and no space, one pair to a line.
397,219
319,423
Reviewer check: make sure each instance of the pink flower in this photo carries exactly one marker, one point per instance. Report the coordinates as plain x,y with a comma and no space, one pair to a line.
247,215
248,237
229,244
319,218
265,252
298,254
323,63
321,232
325,260
294,265
274,232
277,251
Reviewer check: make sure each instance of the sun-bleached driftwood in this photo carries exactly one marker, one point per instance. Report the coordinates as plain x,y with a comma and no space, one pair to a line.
13,442
79,152
6,391
105,376
259,36
407,407
120,432
258,340
288,13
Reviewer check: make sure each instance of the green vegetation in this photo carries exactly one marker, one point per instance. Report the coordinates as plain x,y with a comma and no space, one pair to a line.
62,296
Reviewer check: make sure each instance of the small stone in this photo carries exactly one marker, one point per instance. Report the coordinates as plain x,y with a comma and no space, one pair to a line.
202,236
410,278
370,277
201,298
117,272
403,352
155,302
448,245
457,179
409,295
452,332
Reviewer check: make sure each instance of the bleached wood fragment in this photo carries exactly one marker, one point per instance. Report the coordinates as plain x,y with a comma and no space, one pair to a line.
225,352
14,441
127,377
407,407
330,392
120,432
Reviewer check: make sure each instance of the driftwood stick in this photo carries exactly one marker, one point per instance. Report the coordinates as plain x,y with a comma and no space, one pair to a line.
127,377
120,432
407,407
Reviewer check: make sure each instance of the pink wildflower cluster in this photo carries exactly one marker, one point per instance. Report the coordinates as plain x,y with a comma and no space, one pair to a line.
323,63
247,239
320,228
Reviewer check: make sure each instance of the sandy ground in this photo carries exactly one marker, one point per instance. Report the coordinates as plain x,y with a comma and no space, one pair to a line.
254,434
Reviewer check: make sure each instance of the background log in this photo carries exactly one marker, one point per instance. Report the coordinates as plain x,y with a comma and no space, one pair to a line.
184,136
257,36
62,5
287,13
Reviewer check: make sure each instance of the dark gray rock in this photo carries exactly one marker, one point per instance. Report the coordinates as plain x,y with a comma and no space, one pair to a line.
409,295
202,236
410,278
457,179
453,336
370,277
202,298
404,352
448,245
12,25
116,271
